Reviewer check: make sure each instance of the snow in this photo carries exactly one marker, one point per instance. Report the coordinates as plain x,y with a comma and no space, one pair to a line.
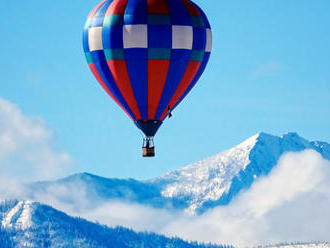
19,216
218,179
54,229
202,185
210,178
195,188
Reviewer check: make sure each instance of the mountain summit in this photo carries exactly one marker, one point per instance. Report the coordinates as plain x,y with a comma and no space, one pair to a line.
218,179
195,188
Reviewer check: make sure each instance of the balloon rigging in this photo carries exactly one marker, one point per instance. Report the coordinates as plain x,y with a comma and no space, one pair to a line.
147,55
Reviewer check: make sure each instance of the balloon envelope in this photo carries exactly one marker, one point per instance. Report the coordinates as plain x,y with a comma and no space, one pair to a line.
147,54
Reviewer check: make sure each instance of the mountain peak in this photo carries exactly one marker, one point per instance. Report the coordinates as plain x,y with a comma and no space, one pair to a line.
216,180
250,142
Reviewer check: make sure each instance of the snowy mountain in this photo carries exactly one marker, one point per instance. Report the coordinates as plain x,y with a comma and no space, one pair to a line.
217,180
194,188
31,224
34,225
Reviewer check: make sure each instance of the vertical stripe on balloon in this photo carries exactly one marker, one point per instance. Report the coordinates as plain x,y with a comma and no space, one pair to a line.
91,14
178,13
137,67
159,36
199,39
98,18
102,83
192,10
120,75
187,78
157,74
136,12
117,7
136,51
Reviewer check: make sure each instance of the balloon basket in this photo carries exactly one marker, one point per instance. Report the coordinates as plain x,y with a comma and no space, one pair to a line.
148,148
148,152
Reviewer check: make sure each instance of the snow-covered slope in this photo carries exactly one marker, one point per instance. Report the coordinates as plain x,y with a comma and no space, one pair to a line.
208,179
194,188
31,224
216,180
19,216
34,225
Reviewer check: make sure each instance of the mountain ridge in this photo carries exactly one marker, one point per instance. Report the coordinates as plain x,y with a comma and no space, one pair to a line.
199,186
242,165
194,189
48,227
44,226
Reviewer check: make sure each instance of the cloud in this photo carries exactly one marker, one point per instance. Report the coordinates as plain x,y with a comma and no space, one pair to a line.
26,148
290,204
138,217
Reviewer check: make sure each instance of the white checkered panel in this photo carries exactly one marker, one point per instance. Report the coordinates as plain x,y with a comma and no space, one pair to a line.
182,37
208,47
95,39
135,36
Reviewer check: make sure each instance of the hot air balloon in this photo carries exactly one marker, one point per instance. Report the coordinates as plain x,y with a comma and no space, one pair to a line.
147,55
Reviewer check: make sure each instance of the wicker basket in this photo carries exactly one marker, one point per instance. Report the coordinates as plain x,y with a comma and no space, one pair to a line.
148,151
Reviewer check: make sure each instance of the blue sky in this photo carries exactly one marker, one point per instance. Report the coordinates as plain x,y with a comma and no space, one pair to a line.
269,71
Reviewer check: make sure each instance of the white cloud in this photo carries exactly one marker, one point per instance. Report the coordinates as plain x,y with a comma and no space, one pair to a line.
140,218
290,204
26,149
